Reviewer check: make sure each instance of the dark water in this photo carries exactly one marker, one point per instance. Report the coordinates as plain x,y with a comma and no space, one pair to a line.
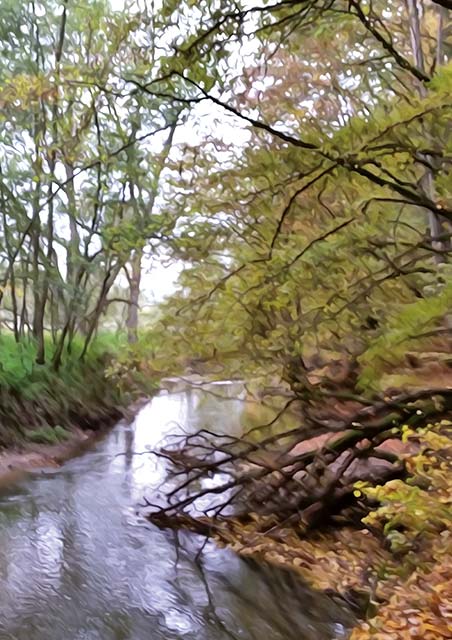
77,562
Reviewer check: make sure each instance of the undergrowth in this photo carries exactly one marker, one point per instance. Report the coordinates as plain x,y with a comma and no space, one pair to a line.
42,405
414,520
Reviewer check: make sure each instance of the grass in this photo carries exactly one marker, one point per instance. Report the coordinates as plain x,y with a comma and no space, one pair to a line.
48,435
17,360
40,405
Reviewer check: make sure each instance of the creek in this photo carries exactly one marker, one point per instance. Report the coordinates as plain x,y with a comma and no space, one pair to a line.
78,561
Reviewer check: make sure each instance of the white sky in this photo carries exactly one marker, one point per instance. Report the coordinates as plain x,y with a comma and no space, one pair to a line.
158,280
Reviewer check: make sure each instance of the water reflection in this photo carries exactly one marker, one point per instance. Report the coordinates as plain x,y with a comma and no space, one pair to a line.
77,562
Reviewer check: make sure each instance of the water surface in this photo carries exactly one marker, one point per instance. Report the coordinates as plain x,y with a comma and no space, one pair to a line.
79,562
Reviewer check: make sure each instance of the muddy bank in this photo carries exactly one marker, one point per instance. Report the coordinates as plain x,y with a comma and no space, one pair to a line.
17,461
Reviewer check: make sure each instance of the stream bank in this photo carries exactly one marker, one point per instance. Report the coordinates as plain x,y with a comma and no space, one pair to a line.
395,570
29,457
395,597
367,572
48,413
64,420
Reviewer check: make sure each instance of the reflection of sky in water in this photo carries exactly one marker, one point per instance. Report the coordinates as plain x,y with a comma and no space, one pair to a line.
78,563
168,415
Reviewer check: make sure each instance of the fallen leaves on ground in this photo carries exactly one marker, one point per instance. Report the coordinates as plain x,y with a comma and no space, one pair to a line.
401,576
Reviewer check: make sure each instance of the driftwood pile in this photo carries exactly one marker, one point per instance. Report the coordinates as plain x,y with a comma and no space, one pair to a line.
302,477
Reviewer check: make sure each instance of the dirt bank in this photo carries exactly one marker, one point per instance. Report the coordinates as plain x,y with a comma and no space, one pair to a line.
15,463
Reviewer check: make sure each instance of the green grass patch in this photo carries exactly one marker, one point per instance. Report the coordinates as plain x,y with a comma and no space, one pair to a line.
47,435
81,393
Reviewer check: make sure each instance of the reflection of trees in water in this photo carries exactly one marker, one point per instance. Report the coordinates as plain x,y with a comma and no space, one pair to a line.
211,612
132,583
245,600
270,599
230,409
129,440
217,408
120,624
74,573
191,401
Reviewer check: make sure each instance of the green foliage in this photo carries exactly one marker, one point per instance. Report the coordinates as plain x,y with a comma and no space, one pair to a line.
18,368
17,361
406,325
134,370
291,259
414,512
42,405
47,435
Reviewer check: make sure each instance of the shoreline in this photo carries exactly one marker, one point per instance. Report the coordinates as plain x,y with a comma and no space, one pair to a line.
16,462
29,457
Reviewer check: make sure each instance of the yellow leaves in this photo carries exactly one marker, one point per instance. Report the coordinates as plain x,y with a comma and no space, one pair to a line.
24,90
337,561
418,522
416,609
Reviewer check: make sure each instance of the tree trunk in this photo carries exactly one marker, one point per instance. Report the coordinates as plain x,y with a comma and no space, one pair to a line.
24,321
38,299
73,256
138,206
134,294
108,282
435,220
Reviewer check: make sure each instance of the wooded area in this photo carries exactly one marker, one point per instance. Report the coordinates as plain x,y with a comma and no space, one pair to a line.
293,159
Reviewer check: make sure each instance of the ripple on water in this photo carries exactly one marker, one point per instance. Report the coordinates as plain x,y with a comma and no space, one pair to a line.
78,563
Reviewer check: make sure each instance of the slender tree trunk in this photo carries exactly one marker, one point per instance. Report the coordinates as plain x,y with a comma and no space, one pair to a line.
24,322
39,294
134,294
73,257
427,181
58,353
12,276
38,299
14,307
137,256
68,329
107,283
416,38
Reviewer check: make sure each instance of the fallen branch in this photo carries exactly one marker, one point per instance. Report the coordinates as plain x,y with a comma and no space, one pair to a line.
268,479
